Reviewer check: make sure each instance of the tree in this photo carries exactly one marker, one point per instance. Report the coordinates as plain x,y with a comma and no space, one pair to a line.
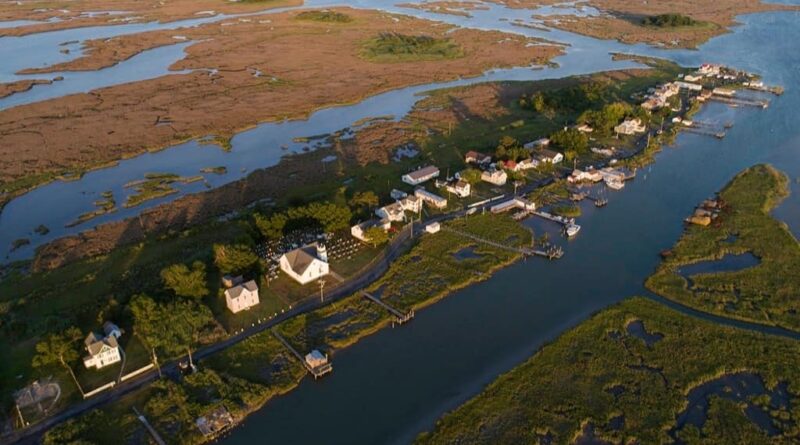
235,258
186,282
173,327
271,227
604,120
59,349
376,236
366,199
571,139
471,175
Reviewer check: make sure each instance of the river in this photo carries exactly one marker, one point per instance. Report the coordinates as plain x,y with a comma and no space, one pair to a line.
393,385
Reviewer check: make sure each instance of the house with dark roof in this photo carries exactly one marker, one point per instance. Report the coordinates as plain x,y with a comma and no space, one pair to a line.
242,296
306,263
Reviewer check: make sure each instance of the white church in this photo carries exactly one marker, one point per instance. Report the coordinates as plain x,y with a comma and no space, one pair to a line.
306,264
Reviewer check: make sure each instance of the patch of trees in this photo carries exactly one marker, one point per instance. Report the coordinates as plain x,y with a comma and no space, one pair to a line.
569,99
605,119
571,141
172,327
185,282
510,149
330,217
234,258
669,20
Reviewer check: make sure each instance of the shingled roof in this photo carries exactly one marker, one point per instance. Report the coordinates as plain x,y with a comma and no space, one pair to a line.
236,291
300,259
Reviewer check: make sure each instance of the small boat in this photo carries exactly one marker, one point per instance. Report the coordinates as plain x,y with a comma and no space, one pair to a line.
572,230
615,184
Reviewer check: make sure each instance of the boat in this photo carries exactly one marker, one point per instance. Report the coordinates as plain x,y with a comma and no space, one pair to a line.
572,230
615,184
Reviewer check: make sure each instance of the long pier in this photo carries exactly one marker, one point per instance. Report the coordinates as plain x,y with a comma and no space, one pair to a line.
555,218
522,250
704,132
399,317
739,101
316,371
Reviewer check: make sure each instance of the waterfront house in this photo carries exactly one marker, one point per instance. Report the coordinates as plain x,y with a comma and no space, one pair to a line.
630,127
589,175
496,177
513,203
214,422
421,175
306,263
474,157
433,227
460,188
315,359
242,296
102,350
431,199
725,92
359,231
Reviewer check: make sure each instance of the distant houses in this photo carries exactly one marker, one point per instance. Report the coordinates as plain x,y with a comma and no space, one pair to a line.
103,350
241,296
548,156
396,211
306,263
424,174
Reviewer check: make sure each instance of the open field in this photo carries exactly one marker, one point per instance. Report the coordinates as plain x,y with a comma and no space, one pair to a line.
764,293
624,375
264,69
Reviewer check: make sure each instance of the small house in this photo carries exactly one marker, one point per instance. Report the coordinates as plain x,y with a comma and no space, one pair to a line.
630,127
460,188
474,157
359,231
539,143
421,175
306,263
242,296
496,177
103,351
315,359
549,156
433,227
431,199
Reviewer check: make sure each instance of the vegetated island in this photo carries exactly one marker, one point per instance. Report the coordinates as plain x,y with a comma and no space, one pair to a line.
657,23
289,86
741,227
154,186
640,372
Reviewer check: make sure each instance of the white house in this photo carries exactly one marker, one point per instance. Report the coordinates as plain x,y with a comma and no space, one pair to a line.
527,164
393,212
630,126
306,264
549,156
460,188
242,296
496,177
433,227
513,203
419,176
103,351
431,199
689,86
359,231
590,175
316,359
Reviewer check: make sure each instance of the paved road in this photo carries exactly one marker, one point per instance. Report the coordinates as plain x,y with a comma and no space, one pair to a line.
32,434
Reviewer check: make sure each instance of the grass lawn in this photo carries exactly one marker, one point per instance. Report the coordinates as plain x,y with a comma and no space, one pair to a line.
602,375
765,293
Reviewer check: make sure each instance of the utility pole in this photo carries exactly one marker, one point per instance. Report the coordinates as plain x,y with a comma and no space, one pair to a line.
155,362
321,287
191,363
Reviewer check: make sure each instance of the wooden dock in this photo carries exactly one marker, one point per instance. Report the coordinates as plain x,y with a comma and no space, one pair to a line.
317,371
739,101
704,132
551,253
399,317
555,218
522,250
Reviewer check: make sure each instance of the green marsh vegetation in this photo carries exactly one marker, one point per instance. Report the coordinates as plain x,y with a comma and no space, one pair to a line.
155,185
394,47
765,293
325,16
669,21
599,371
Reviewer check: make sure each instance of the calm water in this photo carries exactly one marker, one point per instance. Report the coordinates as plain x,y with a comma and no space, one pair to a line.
393,385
